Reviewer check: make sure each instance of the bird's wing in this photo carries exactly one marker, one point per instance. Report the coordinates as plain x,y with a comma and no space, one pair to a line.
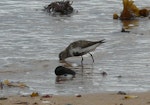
80,43
82,47
90,48
80,50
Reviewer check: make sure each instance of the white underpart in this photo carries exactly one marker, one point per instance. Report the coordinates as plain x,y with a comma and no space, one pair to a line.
81,50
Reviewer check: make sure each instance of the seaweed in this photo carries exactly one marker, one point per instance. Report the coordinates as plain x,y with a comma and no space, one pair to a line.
131,11
62,7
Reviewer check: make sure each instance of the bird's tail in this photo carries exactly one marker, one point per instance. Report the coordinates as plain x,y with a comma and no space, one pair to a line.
101,41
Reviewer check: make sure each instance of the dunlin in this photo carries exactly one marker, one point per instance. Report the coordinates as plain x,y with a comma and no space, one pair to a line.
80,48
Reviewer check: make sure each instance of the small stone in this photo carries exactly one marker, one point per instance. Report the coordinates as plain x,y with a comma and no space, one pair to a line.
119,76
35,103
148,102
47,96
34,94
3,98
78,95
121,93
46,102
60,70
115,16
1,85
104,73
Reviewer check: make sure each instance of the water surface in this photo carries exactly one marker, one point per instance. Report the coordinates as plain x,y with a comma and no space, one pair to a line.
31,40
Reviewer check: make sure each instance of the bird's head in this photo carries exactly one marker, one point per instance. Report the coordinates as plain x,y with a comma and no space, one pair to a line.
62,55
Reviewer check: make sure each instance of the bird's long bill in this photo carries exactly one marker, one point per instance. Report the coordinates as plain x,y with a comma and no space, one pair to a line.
102,41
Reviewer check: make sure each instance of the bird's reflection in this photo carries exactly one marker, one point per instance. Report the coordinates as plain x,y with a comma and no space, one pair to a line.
76,65
64,78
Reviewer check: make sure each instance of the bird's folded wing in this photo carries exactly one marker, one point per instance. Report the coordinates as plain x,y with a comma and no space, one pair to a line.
81,51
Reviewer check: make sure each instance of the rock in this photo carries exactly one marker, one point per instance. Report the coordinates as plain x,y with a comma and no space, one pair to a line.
47,96
60,70
103,73
3,98
78,95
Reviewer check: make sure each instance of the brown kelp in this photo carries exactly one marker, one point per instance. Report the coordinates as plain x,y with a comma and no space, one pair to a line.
131,11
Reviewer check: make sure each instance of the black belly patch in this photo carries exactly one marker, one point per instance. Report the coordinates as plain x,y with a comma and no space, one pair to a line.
77,54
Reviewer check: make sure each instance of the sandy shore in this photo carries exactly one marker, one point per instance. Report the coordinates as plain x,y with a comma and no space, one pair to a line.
83,99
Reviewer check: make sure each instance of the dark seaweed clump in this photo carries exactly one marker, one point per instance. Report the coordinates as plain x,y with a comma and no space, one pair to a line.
62,7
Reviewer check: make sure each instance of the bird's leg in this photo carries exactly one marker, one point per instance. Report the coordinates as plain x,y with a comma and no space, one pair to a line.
92,57
82,60
82,64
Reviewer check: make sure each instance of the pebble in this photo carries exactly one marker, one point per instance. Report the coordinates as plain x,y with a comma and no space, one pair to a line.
121,93
60,70
3,98
46,102
103,73
78,95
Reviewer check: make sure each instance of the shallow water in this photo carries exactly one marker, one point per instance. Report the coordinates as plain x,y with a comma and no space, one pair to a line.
31,40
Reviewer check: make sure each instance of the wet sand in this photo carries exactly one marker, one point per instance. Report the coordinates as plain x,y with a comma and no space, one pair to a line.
125,56
83,99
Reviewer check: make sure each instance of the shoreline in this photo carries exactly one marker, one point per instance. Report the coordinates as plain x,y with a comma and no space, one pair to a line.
120,98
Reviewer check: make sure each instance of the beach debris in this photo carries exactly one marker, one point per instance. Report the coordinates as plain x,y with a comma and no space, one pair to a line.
34,94
22,103
68,104
115,16
60,70
47,96
35,103
103,73
63,7
119,76
123,30
121,93
1,85
64,74
148,102
131,11
78,95
130,97
3,98
14,84
46,102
